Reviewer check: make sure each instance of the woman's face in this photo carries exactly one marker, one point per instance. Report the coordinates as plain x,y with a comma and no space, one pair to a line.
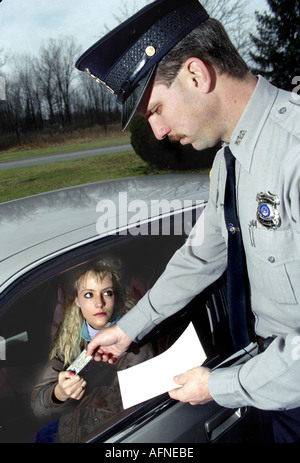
96,298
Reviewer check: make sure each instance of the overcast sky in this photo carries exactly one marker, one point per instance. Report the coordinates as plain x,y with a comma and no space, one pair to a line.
26,24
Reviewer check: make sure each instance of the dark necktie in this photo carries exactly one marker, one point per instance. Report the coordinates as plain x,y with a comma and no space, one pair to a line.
237,287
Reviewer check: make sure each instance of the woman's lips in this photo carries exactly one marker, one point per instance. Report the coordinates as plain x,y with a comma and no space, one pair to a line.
100,314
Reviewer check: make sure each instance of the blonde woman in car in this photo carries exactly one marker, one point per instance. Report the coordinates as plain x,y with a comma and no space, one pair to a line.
98,300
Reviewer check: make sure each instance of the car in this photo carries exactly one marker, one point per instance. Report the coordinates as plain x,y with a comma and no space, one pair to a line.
142,221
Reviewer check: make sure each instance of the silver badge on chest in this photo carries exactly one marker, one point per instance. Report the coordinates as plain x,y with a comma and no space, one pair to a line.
267,213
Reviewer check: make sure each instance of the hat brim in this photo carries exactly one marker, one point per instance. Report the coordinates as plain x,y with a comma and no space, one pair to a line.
130,105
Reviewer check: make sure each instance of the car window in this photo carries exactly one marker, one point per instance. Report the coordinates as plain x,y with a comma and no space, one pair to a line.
30,315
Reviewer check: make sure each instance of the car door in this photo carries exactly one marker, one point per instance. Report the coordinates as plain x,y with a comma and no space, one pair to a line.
28,319
163,420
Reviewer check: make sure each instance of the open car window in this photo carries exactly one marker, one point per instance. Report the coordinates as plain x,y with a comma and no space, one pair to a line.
30,315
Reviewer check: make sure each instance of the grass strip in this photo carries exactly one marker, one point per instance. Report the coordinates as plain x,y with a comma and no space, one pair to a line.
62,148
26,181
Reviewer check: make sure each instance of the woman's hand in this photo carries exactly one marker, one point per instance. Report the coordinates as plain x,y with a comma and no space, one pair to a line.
69,386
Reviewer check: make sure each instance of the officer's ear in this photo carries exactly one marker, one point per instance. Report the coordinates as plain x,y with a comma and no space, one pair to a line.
199,74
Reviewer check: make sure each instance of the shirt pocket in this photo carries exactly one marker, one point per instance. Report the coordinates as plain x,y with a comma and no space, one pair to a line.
276,264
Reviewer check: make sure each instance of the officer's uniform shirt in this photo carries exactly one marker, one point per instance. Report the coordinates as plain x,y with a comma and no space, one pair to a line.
266,145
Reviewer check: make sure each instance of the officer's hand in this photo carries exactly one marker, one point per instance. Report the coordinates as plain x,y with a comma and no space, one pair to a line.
108,344
194,388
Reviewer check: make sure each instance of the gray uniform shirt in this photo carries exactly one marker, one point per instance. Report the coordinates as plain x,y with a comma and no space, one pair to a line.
266,145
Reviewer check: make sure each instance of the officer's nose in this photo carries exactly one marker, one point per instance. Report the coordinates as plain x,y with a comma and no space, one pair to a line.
159,129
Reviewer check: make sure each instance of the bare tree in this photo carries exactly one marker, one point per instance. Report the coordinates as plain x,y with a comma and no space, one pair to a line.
126,10
99,105
233,15
29,92
56,73
46,81
3,57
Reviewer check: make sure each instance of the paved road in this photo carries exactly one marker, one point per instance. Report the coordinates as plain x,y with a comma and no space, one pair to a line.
49,158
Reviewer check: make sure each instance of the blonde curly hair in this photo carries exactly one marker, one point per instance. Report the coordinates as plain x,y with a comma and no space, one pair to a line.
67,339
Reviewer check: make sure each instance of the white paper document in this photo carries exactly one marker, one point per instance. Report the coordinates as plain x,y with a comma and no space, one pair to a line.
155,376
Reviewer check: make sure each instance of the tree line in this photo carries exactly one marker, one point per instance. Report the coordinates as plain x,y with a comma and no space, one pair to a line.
47,94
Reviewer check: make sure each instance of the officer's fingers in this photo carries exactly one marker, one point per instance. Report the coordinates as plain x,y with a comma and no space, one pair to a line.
180,380
177,394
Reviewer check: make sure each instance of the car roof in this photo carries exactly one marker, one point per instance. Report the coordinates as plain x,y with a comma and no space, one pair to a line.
35,228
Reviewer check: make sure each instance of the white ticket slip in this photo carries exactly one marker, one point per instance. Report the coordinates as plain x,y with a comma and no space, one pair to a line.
155,376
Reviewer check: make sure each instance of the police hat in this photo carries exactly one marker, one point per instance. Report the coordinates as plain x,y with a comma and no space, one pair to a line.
125,59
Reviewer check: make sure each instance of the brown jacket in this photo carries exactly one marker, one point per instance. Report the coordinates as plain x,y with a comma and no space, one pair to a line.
101,401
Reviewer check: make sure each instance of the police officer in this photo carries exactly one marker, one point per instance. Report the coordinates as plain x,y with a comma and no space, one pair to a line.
177,66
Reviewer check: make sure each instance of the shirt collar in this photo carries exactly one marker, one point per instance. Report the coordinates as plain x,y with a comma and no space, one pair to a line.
85,332
247,131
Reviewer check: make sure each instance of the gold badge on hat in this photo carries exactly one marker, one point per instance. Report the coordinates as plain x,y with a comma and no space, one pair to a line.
267,213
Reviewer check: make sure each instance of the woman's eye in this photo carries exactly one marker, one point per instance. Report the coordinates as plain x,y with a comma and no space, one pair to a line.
88,295
109,293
